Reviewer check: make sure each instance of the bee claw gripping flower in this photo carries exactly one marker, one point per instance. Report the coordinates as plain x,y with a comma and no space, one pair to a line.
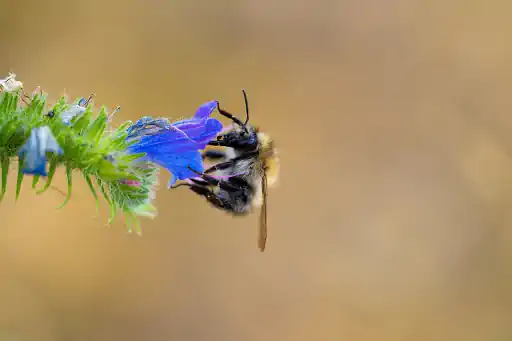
175,146
33,152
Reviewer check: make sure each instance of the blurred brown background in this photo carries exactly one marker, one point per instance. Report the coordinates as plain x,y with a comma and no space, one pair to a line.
392,220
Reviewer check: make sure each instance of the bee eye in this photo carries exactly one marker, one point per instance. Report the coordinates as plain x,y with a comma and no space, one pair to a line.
219,138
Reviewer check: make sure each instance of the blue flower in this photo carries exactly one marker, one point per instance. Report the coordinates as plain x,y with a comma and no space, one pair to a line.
175,146
73,111
147,125
33,152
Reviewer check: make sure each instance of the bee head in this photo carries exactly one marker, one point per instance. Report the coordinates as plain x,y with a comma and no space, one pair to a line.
241,137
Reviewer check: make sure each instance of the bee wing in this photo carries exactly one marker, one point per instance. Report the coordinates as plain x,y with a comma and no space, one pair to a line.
262,240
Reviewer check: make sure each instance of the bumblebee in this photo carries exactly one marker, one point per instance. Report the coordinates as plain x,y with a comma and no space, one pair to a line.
243,170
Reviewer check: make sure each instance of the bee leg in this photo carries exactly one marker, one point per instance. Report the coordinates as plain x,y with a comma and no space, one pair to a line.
199,187
225,185
209,195
203,191
220,166
214,155
238,182
190,182
199,182
220,143
220,203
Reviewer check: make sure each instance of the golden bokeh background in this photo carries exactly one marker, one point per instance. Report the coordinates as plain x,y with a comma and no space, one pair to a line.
392,219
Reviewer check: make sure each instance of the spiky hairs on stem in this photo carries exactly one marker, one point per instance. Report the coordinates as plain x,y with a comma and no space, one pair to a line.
89,148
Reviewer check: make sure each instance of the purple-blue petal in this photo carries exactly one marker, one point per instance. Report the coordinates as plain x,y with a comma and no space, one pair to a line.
33,152
178,164
161,144
176,147
205,110
160,140
37,168
179,141
211,129
201,115
206,130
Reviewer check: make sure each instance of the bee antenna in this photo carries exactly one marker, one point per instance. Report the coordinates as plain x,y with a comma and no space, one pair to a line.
246,107
180,185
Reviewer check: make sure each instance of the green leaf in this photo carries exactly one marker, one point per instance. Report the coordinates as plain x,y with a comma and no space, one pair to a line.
81,122
122,128
134,192
96,129
131,220
128,222
69,176
128,158
85,142
109,172
145,210
113,210
19,178
51,173
5,171
93,191
35,180
116,176
118,141
103,192
113,213
8,130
